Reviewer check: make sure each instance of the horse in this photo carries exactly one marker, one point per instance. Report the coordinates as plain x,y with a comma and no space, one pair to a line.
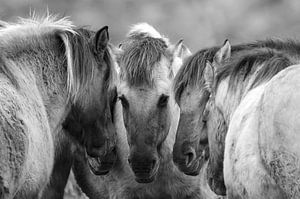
146,118
191,149
253,131
54,78
249,66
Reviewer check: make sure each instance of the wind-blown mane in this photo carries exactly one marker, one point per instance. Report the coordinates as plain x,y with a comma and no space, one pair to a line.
143,49
260,64
191,73
79,56
24,33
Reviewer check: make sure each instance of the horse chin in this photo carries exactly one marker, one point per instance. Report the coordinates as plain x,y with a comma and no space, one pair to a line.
96,166
147,177
102,166
193,169
145,180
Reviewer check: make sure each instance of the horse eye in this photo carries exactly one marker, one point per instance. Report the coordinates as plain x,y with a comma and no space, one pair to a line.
163,101
124,101
203,141
205,115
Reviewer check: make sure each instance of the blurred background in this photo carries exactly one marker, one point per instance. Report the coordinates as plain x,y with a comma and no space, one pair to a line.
201,23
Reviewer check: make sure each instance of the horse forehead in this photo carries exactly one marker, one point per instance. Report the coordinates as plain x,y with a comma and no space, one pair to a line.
142,100
162,74
190,99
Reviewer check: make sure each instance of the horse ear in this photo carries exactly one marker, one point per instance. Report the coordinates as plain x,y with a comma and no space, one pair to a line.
101,38
209,75
223,53
117,51
179,53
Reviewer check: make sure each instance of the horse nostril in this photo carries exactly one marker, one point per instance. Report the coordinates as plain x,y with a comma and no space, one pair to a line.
129,160
190,156
153,164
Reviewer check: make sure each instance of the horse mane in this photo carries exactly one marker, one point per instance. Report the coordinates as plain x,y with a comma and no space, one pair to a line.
142,50
36,25
15,35
191,72
81,62
80,59
261,64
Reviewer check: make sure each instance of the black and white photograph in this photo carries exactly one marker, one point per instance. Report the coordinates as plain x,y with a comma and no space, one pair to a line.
149,99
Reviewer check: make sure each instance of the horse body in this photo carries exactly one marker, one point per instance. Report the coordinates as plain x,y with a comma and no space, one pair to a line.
261,144
246,172
19,157
23,107
44,79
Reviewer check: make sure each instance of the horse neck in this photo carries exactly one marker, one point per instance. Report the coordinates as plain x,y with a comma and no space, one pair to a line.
44,63
228,99
167,147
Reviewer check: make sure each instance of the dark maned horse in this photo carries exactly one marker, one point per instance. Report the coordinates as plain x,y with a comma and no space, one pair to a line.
193,89
50,73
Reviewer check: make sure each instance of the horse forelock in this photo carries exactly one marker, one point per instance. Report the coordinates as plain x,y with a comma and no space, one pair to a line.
191,72
140,59
145,30
81,63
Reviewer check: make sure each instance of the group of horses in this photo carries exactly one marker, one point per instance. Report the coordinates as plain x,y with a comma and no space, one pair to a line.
147,119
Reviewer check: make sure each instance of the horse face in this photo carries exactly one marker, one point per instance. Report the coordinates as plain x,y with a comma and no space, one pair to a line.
91,117
191,146
147,120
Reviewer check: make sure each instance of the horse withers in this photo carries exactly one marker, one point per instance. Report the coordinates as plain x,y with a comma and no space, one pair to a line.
52,72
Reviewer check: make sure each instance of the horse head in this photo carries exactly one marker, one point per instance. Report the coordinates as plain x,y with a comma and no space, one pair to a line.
194,88
147,66
93,95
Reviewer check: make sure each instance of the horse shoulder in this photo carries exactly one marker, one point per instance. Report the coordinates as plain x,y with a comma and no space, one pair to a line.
244,175
279,130
14,144
26,160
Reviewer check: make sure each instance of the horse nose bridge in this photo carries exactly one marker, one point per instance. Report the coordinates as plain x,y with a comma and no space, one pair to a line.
182,149
186,122
141,153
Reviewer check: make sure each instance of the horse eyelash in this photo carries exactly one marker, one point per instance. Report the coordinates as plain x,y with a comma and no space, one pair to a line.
124,101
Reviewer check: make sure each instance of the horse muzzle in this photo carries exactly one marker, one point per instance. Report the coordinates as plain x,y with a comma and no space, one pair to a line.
189,163
103,164
145,172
